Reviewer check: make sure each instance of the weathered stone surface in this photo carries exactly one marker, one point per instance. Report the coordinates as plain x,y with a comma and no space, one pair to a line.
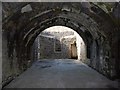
61,73
100,34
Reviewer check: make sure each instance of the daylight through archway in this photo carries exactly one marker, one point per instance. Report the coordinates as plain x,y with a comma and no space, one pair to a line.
27,40
60,42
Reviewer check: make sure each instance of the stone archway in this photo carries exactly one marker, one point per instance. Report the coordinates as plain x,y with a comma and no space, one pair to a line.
79,23
21,36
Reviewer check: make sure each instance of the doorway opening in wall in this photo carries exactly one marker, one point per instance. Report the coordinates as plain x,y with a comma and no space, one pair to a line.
73,49
60,42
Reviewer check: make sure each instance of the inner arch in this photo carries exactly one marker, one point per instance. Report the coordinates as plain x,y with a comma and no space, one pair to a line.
60,42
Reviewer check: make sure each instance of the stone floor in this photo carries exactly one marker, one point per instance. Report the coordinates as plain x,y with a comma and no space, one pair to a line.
61,73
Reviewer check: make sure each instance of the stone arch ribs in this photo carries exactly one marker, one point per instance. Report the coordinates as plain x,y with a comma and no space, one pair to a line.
69,18
46,16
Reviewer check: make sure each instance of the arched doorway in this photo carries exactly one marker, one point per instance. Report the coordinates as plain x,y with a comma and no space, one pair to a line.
21,36
60,42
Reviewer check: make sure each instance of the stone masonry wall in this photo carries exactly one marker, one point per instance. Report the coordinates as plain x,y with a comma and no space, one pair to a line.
47,45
